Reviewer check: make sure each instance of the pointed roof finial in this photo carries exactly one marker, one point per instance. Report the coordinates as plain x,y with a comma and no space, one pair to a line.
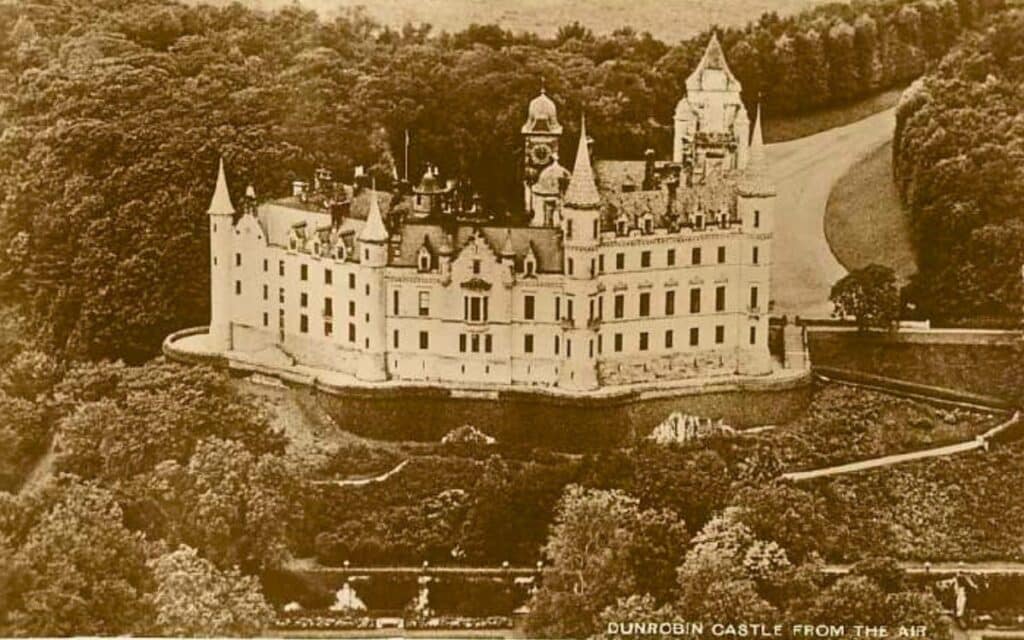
543,90
582,192
755,180
220,204
374,229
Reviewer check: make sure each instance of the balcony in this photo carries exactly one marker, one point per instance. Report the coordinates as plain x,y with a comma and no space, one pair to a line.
594,324
567,323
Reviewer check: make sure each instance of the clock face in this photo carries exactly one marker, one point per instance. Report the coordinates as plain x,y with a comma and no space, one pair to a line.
540,153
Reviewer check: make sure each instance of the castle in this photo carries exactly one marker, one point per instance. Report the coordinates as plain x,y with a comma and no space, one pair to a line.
621,272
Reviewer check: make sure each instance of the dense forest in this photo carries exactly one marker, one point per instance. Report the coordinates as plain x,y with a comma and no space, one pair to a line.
113,114
959,166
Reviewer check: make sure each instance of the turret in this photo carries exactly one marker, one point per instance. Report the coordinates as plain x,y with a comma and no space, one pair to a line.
373,258
221,214
541,136
581,208
756,203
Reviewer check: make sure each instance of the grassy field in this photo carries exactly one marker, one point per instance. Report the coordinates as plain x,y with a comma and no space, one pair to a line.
799,126
668,21
864,220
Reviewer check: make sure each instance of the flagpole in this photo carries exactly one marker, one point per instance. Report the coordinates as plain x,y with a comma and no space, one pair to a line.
407,155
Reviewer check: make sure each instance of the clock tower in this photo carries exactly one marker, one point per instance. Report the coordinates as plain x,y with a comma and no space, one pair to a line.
541,135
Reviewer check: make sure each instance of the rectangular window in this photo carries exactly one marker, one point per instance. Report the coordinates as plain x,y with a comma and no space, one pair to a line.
280,268
351,281
394,302
528,343
475,309
280,295
303,300
474,343
238,287
488,343
754,255
558,308
570,266
568,309
720,334
753,335
328,307
304,323
394,338
476,267
266,292
645,304
720,298
643,341
600,263
367,289
645,259
328,276
695,255
694,336
568,348
462,343
670,303
757,219
424,340
238,259
328,329
753,297
620,261
424,303
266,265
671,258
620,305
303,272
668,339
600,344
266,319
695,300
558,345
618,342
351,332
528,309
351,308
568,229
721,255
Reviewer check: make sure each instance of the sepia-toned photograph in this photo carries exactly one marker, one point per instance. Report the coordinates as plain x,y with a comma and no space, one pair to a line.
548,319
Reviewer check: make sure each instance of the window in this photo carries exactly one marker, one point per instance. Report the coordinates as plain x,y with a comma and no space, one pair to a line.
695,300
528,343
643,341
528,309
328,307
753,335
280,295
280,268
620,261
668,339
595,230
474,343
367,289
670,303
351,332
328,329
303,272
620,305
600,343
303,300
394,338
476,267
424,303
238,259
474,308
488,343
394,302
351,281
648,224
754,255
671,258
720,298
462,343
266,292
618,342
558,308
568,229
757,219
568,309
568,348
720,334
695,255
645,304
558,344
328,276
645,259
570,266
266,265
721,255
753,297
424,340
694,336
266,319
238,287
529,265
304,323
600,263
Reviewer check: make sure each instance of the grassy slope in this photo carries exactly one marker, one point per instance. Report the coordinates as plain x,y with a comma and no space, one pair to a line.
799,126
865,222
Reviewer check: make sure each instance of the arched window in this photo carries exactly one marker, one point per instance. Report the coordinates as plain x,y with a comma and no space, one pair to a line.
423,259
529,265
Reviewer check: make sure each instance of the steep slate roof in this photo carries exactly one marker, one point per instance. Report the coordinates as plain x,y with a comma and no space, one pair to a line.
220,204
755,180
713,58
546,243
582,191
374,229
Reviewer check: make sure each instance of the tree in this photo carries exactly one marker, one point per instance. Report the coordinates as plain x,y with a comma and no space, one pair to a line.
869,295
193,597
30,374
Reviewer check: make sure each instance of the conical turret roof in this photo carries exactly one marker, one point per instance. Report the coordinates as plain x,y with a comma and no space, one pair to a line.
374,229
714,58
220,204
755,180
582,192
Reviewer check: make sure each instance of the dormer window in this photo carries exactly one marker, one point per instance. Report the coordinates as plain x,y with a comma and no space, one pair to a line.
339,251
698,221
648,224
293,243
529,265
316,248
620,226
423,260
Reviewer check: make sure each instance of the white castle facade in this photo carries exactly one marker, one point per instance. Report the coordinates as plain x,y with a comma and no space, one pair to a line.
620,272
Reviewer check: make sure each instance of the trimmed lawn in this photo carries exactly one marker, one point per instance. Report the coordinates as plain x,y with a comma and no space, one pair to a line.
799,126
864,220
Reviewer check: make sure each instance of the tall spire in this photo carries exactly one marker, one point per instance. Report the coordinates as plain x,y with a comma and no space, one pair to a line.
713,59
582,192
755,180
220,204
374,229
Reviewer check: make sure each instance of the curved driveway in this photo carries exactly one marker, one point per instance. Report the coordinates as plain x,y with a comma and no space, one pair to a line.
803,267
